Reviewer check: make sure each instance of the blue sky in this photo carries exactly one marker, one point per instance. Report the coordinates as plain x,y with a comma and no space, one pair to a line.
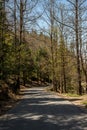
43,23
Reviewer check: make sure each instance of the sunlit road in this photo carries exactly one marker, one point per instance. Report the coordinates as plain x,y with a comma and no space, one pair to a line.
40,110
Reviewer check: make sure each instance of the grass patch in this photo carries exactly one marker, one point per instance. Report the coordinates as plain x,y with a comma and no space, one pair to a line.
85,103
72,95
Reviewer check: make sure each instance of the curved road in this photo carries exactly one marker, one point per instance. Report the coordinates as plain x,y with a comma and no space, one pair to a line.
40,110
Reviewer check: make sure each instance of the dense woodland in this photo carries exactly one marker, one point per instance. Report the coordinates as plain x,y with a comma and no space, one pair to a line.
44,42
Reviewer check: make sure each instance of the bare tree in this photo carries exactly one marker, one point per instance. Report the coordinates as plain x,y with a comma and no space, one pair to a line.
52,41
76,6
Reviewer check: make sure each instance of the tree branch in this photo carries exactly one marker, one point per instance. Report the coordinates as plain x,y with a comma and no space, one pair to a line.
71,3
64,24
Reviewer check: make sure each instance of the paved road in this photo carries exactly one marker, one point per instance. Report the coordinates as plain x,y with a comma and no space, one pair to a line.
40,110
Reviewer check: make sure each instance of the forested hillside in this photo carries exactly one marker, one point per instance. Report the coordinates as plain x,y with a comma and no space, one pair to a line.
43,42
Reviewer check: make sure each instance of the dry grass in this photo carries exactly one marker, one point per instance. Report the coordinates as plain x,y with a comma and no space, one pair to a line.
74,98
7,103
81,101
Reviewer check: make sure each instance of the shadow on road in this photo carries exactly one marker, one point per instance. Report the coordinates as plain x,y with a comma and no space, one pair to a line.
39,110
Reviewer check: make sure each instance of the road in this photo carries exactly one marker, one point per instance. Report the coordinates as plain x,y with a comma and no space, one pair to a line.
41,110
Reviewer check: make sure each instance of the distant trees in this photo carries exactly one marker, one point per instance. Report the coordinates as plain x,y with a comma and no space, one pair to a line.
69,23
51,55
43,65
13,20
19,16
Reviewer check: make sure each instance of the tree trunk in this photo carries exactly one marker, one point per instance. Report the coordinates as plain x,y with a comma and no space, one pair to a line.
77,50
52,42
64,78
84,70
20,42
86,84
2,39
24,78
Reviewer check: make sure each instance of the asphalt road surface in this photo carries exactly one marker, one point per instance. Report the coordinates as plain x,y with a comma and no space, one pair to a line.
41,110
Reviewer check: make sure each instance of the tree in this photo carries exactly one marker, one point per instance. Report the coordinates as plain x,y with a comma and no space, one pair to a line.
52,42
2,38
20,40
62,47
82,19
77,5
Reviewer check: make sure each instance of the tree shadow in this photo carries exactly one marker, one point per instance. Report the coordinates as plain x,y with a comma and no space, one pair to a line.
75,99
44,111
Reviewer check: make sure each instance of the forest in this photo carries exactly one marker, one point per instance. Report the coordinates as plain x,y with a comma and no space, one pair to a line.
43,41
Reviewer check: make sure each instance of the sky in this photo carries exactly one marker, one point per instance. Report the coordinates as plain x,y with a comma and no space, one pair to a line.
42,24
